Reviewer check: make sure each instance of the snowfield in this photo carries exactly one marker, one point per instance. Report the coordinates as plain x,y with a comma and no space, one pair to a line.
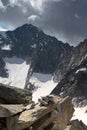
44,84
80,114
17,69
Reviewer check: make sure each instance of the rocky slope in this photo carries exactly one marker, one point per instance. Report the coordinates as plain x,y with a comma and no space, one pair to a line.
74,80
50,113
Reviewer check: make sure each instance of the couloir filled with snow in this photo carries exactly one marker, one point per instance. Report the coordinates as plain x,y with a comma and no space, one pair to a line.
44,85
17,70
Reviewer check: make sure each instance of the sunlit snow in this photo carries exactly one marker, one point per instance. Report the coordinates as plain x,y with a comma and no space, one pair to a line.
80,114
6,47
81,69
17,69
45,85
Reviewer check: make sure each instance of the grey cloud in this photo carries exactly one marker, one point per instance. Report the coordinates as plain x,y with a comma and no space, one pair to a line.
66,19
60,18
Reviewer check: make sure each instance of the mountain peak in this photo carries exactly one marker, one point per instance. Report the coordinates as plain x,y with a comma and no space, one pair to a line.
28,25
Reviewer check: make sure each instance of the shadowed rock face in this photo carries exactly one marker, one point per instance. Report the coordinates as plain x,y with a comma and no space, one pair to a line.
74,81
33,45
12,95
74,59
3,71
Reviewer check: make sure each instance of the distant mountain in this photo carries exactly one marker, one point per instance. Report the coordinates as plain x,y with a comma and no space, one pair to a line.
28,49
34,46
74,81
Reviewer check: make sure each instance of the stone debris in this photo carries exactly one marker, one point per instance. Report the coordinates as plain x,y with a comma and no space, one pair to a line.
50,113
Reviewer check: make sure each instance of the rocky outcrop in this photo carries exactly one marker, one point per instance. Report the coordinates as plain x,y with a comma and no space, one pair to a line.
53,115
74,84
50,113
13,95
63,113
72,60
10,110
74,80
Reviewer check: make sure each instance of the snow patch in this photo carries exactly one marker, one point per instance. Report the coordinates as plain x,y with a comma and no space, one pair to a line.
44,84
34,46
17,69
80,114
82,69
6,47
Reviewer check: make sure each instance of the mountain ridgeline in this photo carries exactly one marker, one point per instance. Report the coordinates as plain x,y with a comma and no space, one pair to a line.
74,79
33,45
47,55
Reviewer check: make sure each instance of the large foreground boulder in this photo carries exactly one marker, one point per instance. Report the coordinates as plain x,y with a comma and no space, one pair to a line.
13,95
63,113
10,110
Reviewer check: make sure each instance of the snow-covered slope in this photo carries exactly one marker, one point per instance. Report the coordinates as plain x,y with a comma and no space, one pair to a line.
44,85
17,70
80,114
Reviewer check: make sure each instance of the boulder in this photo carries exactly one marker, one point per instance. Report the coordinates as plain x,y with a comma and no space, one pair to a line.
63,113
13,95
10,110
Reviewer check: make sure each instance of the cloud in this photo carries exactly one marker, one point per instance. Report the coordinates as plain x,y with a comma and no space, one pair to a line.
77,16
33,17
66,19
2,7
3,29
37,4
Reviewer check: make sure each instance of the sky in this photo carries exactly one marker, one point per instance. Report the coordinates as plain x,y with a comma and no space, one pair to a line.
65,19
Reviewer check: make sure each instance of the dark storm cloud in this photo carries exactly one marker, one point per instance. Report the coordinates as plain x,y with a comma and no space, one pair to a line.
69,18
66,19
5,2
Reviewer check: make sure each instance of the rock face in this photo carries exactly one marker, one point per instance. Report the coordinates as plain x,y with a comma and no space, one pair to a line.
12,95
3,71
10,110
33,45
74,81
71,61
63,113
54,116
